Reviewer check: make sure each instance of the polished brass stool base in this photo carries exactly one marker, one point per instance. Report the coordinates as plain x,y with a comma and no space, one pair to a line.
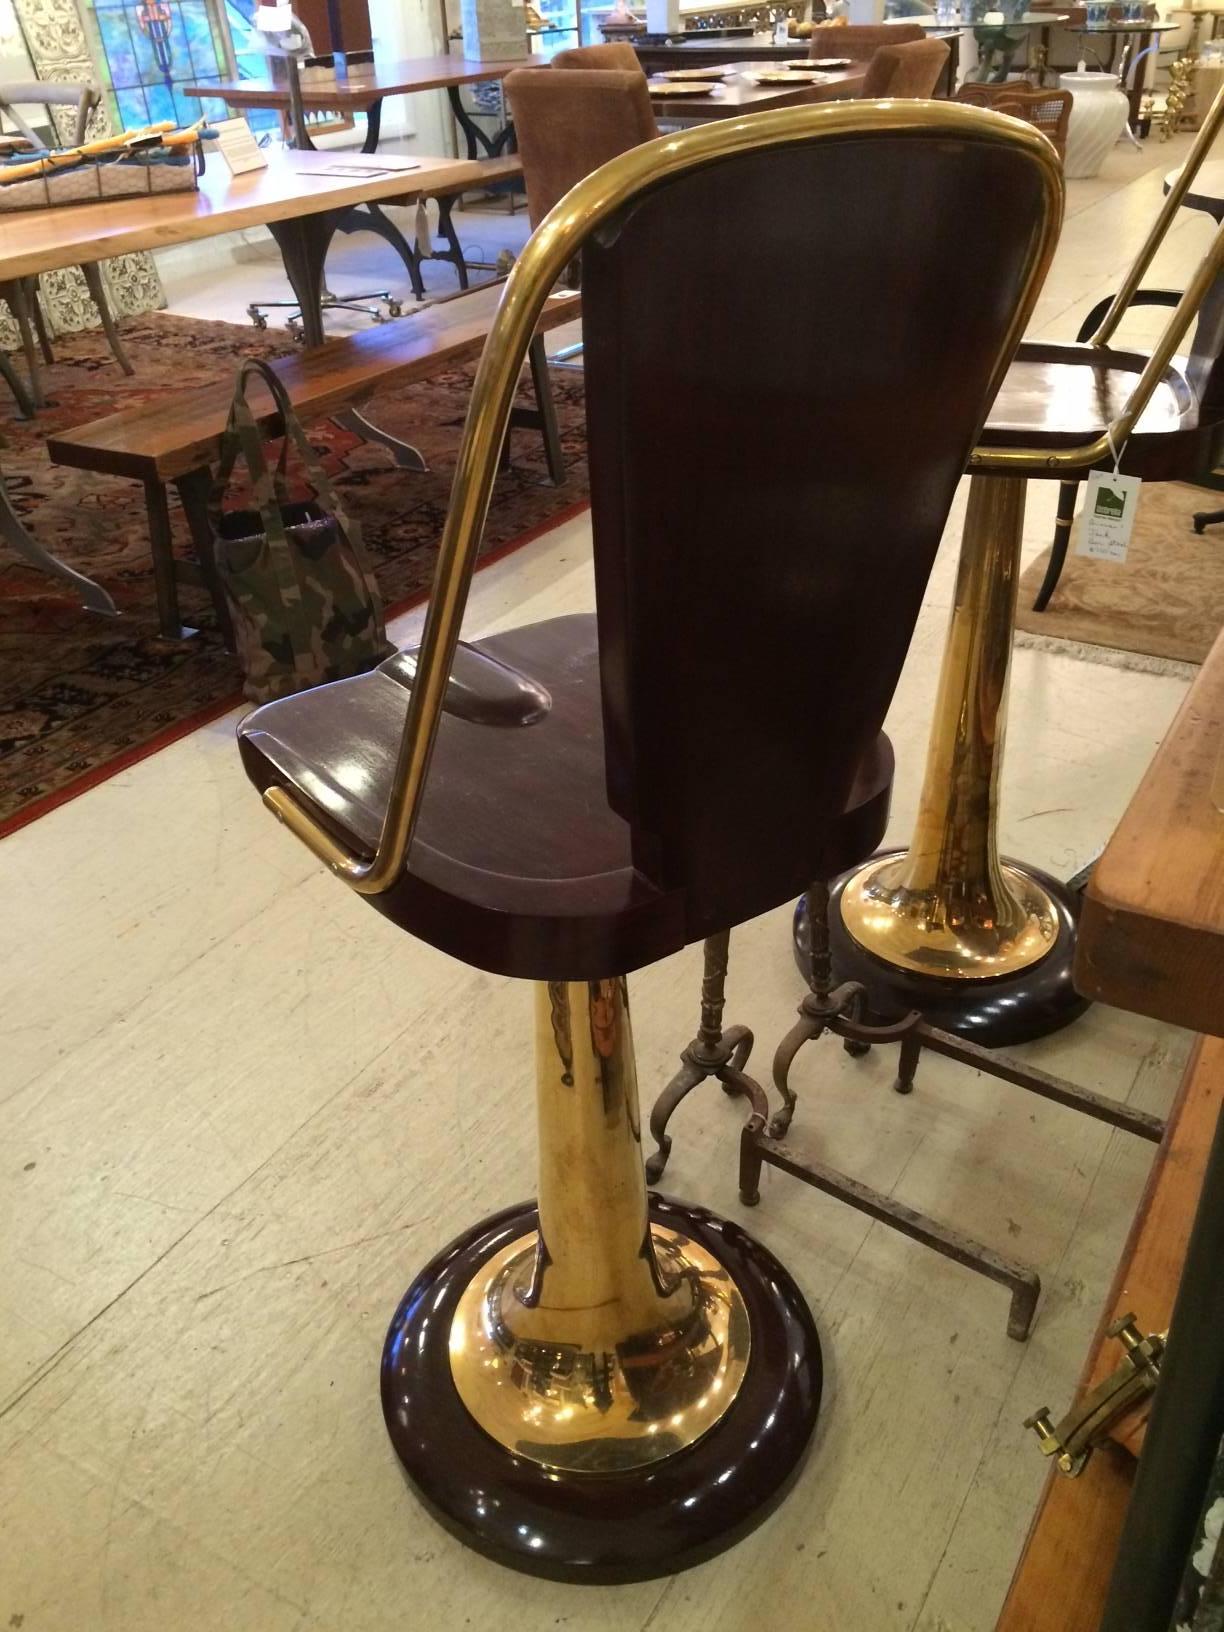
995,1011
605,1386
595,1524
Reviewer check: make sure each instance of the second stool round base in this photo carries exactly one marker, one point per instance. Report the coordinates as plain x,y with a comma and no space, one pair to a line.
604,1528
998,1012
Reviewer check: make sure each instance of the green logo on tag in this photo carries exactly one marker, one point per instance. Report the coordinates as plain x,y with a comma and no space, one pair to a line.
1109,504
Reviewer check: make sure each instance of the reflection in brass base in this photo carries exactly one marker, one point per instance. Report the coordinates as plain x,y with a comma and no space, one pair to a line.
565,1404
590,1525
998,1011
606,1387
948,930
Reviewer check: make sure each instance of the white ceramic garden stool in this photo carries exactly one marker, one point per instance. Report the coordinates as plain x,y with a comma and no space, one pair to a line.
1099,112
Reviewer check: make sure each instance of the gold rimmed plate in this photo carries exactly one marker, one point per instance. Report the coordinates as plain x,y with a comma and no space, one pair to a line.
781,78
682,74
688,87
825,64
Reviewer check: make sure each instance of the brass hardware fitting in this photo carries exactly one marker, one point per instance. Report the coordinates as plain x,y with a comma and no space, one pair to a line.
1087,1425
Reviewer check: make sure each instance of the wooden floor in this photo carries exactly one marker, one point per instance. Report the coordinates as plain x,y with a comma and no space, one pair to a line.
238,1111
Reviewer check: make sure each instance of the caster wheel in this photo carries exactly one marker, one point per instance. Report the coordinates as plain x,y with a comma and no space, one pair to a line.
394,309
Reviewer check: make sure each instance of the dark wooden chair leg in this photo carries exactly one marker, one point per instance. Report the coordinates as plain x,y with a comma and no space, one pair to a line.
193,489
11,378
40,320
14,293
161,542
97,293
1067,495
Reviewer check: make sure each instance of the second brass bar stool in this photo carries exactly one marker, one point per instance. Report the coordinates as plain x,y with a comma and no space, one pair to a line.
606,1385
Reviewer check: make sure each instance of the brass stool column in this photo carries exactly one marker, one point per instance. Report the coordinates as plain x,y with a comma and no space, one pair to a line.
982,948
608,1387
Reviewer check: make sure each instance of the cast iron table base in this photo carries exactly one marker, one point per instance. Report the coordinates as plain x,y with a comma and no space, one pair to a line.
589,1526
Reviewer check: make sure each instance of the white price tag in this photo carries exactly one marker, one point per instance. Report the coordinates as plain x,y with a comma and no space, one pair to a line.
1108,516
238,146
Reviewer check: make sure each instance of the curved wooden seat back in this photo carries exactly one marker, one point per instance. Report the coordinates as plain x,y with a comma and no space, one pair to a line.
770,476
569,121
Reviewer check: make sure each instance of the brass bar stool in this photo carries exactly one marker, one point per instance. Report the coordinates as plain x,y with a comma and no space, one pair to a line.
606,1385
983,946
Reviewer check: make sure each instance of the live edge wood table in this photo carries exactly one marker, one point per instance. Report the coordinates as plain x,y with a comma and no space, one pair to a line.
364,89
300,197
1151,939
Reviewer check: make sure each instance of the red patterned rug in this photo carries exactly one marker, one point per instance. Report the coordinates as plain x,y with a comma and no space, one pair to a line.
82,696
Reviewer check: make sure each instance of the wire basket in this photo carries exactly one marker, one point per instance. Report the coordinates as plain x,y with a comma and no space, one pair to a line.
126,175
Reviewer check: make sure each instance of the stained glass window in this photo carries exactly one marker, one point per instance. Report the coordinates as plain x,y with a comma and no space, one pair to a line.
152,48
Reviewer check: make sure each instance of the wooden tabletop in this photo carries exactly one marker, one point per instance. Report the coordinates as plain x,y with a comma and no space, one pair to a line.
1151,933
739,94
365,84
294,184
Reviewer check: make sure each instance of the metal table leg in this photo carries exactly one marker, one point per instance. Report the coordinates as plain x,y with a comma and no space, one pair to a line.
495,145
93,597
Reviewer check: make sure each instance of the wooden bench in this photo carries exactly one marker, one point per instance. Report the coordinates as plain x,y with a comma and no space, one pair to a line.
176,440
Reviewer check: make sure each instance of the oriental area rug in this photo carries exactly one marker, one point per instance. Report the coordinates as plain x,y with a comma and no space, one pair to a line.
81,697
1160,609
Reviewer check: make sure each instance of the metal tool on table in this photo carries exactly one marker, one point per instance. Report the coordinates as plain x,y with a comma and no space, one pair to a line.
1072,1440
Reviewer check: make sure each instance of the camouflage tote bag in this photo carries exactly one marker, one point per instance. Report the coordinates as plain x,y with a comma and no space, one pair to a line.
303,599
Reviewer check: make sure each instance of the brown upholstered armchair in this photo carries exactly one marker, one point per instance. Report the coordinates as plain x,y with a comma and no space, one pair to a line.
569,121
911,70
1048,110
610,1385
615,54
860,42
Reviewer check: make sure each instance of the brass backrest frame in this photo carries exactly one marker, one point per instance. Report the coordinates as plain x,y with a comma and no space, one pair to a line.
551,248
1020,460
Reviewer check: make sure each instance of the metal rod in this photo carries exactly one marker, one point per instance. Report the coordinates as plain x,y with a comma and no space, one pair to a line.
1172,203
1183,1433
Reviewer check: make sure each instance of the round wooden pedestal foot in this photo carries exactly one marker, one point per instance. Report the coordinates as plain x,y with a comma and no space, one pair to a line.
998,1011
578,1523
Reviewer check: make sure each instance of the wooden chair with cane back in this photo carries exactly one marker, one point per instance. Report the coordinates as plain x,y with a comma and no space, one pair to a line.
947,945
1048,110
609,1385
22,295
1204,372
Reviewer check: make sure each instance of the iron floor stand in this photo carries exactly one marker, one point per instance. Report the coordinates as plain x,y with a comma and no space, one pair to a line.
842,1011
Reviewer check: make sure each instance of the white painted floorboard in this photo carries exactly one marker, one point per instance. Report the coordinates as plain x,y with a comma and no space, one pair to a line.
238,1111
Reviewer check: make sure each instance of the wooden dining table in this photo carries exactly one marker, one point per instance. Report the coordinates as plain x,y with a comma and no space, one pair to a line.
742,92
299,197
366,86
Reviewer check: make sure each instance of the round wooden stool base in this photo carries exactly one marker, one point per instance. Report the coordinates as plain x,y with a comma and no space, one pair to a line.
997,1012
598,1527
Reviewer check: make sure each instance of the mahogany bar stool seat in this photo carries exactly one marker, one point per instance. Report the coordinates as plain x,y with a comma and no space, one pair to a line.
606,1385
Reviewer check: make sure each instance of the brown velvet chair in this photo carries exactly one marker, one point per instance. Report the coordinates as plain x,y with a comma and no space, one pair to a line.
1049,111
912,70
569,121
609,1386
860,42
616,54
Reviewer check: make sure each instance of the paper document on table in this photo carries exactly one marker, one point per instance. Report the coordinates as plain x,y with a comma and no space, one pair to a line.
362,172
1108,516
238,146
